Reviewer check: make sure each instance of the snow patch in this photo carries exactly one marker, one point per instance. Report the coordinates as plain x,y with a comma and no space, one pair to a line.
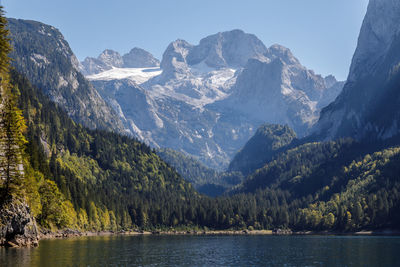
201,68
138,75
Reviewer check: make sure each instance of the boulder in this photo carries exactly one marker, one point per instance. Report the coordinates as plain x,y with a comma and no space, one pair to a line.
17,225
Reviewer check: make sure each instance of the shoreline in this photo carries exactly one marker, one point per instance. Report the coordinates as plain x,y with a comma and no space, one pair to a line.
61,234
45,234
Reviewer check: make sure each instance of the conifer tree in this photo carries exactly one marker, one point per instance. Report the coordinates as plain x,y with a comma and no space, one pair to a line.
12,123
5,48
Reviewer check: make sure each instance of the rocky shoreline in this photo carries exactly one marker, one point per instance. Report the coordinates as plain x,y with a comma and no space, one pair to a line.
45,234
75,233
29,240
17,226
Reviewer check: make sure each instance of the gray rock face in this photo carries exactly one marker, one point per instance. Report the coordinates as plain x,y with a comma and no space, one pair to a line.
278,89
111,58
134,106
379,28
227,49
210,98
105,61
173,63
17,225
139,58
334,88
230,49
45,58
93,65
368,104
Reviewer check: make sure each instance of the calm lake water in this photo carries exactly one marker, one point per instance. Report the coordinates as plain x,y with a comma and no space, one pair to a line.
209,251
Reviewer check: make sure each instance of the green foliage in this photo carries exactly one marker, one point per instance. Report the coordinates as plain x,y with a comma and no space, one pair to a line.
12,140
269,140
305,168
102,180
5,47
12,124
96,180
369,199
115,182
205,180
112,181
54,208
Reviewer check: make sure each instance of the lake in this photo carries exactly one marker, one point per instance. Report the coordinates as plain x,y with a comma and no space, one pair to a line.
189,250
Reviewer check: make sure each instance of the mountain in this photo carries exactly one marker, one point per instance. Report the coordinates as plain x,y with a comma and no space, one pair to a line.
342,181
226,49
105,61
42,54
139,58
207,100
368,104
109,59
278,89
78,178
92,179
269,140
205,180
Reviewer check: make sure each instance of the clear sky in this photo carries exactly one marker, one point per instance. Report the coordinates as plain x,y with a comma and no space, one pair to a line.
321,33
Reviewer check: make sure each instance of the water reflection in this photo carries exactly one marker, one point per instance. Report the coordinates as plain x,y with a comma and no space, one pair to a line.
209,251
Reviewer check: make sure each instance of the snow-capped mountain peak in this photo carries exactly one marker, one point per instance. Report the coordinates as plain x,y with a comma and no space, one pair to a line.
279,51
207,99
139,58
109,59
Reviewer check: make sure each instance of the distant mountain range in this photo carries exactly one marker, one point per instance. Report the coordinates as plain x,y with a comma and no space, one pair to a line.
136,58
204,100
207,100
367,110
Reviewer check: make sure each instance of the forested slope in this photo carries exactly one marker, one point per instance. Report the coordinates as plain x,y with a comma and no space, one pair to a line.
111,180
87,179
205,180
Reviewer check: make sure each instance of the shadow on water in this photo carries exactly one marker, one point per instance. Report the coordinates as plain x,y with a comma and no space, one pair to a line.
209,251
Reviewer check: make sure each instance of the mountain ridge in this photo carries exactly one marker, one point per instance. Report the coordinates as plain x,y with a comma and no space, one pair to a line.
42,53
361,110
109,59
200,95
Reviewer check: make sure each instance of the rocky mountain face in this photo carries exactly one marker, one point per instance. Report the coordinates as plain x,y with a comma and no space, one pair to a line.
278,89
139,58
227,49
42,54
368,104
17,225
109,59
207,100
268,140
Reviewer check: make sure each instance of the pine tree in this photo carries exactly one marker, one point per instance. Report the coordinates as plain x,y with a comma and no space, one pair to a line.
12,124
5,48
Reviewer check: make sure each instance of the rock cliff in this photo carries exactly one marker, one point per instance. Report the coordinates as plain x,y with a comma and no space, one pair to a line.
17,225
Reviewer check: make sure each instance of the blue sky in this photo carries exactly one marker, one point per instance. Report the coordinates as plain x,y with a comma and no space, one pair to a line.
321,33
